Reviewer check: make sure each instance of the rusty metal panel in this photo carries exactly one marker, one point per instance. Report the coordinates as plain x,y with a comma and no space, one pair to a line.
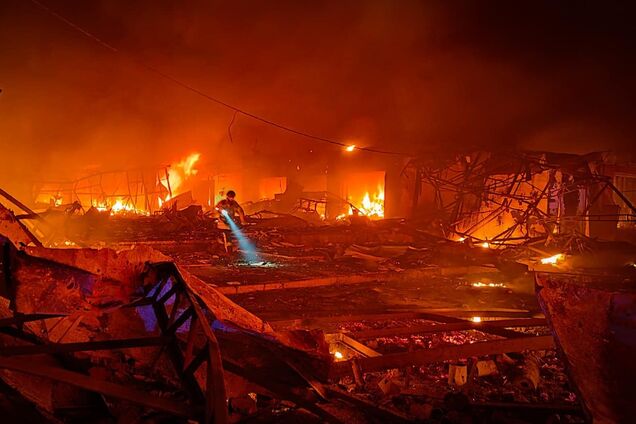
594,323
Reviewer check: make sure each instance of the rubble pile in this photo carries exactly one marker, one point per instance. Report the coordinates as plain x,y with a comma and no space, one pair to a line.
162,318
421,390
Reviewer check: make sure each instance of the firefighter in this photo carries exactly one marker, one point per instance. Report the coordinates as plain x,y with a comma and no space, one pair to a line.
232,207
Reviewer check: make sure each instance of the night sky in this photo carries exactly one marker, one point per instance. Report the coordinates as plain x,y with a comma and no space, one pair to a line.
399,75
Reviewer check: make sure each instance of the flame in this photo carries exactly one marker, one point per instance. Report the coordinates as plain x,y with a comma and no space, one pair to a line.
372,208
553,260
162,201
350,148
480,284
476,319
485,245
120,207
338,355
179,172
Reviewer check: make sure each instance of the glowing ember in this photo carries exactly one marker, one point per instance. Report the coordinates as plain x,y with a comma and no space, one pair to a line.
350,148
338,355
553,260
480,284
461,239
485,245
476,319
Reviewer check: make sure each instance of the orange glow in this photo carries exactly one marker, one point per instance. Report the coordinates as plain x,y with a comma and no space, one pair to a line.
350,148
553,260
102,207
485,245
476,319
179,172
371,205
480,284
162,201
119,207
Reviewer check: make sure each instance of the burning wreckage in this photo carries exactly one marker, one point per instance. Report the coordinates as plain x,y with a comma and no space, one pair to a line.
430,316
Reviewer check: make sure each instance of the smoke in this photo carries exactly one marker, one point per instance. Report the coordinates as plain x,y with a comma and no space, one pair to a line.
409,76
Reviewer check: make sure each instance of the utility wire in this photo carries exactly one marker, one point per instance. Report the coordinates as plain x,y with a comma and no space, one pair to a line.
200,93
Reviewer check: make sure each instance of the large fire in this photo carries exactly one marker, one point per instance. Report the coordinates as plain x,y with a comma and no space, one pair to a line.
179,172
371,205
375,207
119,207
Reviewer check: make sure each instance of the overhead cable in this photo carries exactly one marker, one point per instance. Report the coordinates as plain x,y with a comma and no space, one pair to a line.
200,93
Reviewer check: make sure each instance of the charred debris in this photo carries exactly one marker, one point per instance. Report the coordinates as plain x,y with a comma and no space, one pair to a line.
500,289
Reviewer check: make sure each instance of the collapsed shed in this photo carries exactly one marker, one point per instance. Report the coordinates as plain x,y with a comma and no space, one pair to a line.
512,197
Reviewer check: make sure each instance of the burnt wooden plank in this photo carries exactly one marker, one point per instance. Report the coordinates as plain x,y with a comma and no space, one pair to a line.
485,328
81,346
175,307
302,397
552,407
351,343
174,326
322,321
192,365
425,356
313,282
21,319
454,326
171,292
105,388
189,348
216,395
175,353
377,411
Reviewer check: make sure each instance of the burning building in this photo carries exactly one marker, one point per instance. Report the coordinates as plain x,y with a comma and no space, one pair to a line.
362,213
513,197
487,222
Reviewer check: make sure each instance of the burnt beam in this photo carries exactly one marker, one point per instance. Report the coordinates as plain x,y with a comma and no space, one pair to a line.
105,388
453,326
446,353
54,348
